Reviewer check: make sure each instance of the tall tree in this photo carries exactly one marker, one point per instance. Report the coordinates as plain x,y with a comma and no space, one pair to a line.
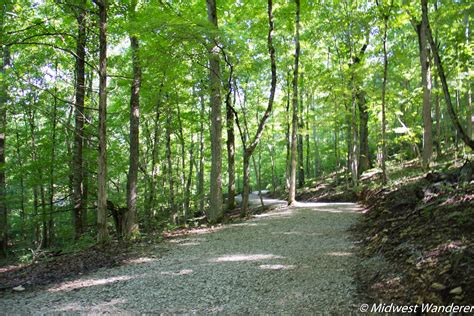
5,60
385,17
421,29
294,129
215,211
130,221
434,48
102,233
80,88
250,148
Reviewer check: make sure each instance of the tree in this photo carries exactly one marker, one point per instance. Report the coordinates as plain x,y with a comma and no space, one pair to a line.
130,221
102,234
294,128
250,148
452,114
79,118
215,211
3,122
421,29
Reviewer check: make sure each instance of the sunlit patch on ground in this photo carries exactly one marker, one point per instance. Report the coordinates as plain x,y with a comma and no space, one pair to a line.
180,272
329,207
83,283
237,258
285,213
246,224
139,260
276,267
340,253
297,233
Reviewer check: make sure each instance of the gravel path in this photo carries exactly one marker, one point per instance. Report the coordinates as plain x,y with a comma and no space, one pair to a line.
288,261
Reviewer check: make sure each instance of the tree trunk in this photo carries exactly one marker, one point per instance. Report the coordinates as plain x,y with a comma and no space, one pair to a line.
53,162
150,201
364,158
426,84
246,185
384,90
292,191
438,118
300,144
170,165
468,96
249,149
130,220
3,127
230,149
434,48
187,191
215,211
200,183
287,133
102,233
77,167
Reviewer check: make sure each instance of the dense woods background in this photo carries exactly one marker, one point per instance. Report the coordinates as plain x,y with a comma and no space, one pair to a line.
121,118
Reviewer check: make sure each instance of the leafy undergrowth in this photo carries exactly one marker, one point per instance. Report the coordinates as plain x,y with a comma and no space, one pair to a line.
53,267
417,240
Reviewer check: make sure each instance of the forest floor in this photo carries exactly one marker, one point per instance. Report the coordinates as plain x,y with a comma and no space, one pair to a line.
287,260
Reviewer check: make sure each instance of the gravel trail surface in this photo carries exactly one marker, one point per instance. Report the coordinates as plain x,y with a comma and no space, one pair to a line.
294,260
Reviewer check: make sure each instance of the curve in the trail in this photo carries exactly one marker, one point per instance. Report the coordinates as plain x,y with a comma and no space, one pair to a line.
287,261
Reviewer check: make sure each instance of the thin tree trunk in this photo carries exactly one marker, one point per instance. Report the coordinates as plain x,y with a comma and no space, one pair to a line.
468,95
183,161
22,183
53,163
437,118
102,233
5,61
300,144
364,154
187,191
200,183
170,165
464,136
384,90
426,84
130,228
77,167
230,120
292,191
287,134
215,211
249,149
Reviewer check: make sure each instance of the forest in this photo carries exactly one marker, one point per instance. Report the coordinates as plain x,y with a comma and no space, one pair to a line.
121,121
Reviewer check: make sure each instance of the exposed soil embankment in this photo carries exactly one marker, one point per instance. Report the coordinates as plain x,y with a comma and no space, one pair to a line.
423,232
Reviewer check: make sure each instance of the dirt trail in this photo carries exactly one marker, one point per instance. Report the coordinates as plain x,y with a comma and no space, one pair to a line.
288,261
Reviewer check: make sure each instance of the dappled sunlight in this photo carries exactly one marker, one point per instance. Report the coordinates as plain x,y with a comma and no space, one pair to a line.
176,273
187,241
329,207
191,243
99,308
139,260
295,233
340,254
247,224
83,283
237,258
285,213
277,267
